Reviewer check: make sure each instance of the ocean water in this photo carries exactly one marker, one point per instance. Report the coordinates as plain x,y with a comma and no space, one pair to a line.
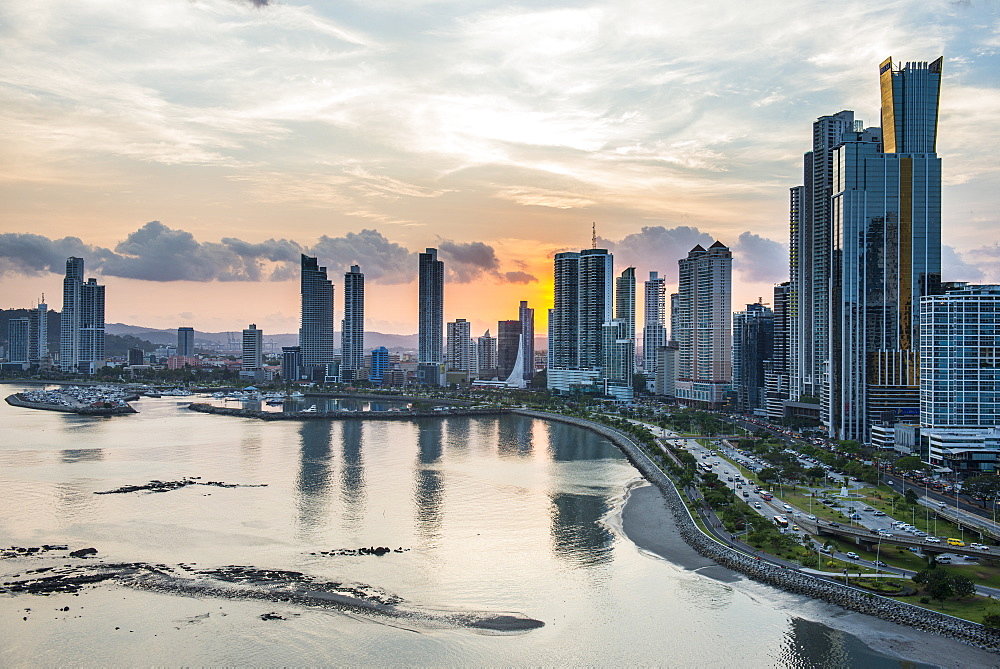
499,518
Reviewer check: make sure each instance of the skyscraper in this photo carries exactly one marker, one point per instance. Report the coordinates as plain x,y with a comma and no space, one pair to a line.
185,342
703,326
625,311
69,322
431,317
508,345
886,215
352,333
17,340
960,358
776,374
753,344
38,333
527,317
810,257
316,329
654,323
253,349
81,336
291,363
584,302
460,345
486,348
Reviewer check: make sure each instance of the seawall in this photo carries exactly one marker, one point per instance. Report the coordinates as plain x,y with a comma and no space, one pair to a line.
341,415
765,572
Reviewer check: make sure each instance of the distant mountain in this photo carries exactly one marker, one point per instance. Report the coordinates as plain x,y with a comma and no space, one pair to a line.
372,339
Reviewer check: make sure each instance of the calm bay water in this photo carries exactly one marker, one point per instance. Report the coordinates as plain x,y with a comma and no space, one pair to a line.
493,514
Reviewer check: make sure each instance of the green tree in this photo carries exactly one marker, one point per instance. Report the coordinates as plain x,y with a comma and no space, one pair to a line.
986,487
963,585
768,474
908,463
910,496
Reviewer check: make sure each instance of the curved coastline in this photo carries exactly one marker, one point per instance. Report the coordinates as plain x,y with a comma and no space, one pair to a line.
788,580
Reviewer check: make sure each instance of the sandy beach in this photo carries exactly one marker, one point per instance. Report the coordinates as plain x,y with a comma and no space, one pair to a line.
648,523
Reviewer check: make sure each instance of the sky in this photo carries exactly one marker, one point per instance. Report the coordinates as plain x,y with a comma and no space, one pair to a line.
190,150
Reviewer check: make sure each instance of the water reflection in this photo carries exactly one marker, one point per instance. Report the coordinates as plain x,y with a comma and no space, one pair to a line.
429,484
577,536
568,443
71,455
516,438
352,472
810,644
314,473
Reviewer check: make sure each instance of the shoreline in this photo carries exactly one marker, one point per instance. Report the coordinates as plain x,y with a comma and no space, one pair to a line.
647,522
17,400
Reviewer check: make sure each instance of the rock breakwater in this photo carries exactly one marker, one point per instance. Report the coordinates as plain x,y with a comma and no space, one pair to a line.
789,580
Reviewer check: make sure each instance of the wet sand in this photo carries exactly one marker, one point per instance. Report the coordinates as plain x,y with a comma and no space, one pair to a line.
649,524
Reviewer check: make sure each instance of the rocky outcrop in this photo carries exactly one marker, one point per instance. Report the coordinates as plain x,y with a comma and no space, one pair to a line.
789,580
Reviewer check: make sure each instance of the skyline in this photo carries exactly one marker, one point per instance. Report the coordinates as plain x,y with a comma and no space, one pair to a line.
354,135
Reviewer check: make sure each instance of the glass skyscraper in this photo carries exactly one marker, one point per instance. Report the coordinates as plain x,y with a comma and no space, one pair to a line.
886,254
316,329
352,329
430,286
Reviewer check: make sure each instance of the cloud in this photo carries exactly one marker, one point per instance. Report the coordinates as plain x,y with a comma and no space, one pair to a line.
156,252
657,248
760,259
979,264
29,254
466,262
520,277
380,260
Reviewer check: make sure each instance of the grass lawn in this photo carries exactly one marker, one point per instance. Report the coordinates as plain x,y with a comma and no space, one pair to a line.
970,608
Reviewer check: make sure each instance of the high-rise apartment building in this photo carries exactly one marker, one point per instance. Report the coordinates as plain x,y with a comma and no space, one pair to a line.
886,250
753,345
81,336
527,317
430,287
17,340
584,302
38,334
703,326
185,342
316,329
654,322
486,349
253,349
960,358
352,332
625,308
810,244
459,356
776,374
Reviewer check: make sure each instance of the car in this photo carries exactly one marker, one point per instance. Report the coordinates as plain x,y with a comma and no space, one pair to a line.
981,547
885,535
932,540
811,517
756,505
880,513
834,524
879,563
746,494
943,559
868,509
787,507
955,542
795,528
826,549
855,516
971,558
852,555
